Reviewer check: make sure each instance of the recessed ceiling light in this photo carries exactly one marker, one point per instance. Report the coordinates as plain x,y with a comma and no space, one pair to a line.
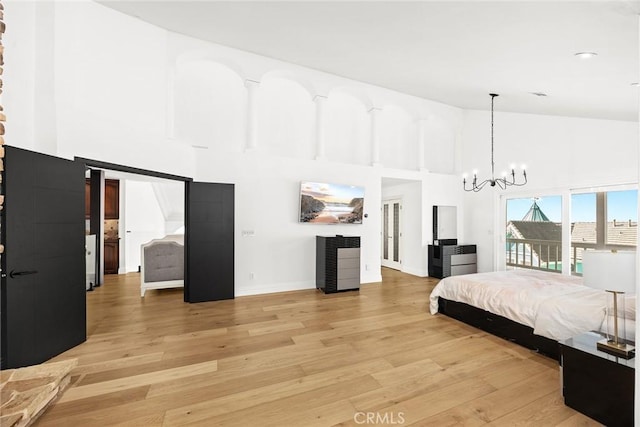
585,55
538,93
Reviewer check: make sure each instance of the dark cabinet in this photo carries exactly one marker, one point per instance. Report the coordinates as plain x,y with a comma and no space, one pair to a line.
337,263
111,256
111,199
596,383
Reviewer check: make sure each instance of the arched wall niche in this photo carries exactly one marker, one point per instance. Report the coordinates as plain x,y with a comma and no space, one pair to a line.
439,145
209,105
398,138
347,128
285,117
292,77
355,93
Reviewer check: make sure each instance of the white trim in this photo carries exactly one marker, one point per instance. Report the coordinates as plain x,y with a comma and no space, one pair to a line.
415,271
604,188
274,288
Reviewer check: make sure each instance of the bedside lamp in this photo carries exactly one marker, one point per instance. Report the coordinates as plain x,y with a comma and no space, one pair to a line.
613,272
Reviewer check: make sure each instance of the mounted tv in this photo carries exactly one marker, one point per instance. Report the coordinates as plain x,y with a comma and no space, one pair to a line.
322,203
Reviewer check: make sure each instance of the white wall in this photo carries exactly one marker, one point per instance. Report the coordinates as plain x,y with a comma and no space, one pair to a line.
561,153
143,220
111,91
19,78
280,255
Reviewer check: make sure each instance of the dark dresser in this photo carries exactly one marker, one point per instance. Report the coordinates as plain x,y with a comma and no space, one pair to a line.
451,260
337,263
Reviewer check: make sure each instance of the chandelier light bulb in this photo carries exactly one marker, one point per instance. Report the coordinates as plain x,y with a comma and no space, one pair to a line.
512,166
475,172
504,173
524,167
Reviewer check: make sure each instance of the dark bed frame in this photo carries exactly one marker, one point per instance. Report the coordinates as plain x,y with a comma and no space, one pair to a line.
500,326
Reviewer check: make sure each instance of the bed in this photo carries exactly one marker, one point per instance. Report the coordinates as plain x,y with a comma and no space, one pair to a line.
532,308
162,263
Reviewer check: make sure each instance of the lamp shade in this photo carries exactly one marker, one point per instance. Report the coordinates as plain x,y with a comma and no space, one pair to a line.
611,271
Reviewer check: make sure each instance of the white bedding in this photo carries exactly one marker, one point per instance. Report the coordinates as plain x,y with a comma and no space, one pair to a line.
555,306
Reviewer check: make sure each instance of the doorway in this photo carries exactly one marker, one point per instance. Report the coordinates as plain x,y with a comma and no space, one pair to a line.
125,208
208,233
391,234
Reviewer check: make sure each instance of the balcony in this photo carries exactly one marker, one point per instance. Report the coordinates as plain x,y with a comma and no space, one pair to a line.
546,255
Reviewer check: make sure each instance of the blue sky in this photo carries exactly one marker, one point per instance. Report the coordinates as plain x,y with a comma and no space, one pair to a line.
621,205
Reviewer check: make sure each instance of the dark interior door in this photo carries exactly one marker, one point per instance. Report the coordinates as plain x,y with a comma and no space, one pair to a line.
209,259
43,307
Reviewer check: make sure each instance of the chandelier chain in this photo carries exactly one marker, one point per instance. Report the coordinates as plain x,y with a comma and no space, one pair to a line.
493,167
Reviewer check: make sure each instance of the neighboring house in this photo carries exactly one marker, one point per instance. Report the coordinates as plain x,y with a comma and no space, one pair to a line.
543,246
618,235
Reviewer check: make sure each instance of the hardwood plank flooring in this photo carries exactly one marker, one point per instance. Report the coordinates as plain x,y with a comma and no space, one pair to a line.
299,359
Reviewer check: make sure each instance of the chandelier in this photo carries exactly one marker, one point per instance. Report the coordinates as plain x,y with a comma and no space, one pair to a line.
507,180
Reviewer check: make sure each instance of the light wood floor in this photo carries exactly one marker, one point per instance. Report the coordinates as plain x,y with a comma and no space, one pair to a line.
297,359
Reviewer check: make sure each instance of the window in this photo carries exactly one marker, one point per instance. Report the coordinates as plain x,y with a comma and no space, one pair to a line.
602,220
622,219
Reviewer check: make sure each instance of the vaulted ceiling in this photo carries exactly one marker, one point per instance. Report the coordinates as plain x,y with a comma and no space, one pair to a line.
455,52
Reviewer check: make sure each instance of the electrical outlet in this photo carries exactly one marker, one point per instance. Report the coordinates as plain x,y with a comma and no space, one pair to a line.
248,233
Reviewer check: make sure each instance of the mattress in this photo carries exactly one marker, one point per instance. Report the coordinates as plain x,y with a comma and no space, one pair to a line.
556,306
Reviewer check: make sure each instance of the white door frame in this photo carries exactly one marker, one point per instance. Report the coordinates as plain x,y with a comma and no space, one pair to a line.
395,259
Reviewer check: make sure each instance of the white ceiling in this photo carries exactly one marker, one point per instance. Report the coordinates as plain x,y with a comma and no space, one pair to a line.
455,52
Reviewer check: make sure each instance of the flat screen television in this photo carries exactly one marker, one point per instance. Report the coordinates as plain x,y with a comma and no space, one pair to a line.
323,203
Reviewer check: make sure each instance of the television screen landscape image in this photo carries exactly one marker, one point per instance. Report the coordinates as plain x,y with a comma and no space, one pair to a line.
322,203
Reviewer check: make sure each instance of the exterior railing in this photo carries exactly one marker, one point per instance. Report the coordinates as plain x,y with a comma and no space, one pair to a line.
546,255
532,253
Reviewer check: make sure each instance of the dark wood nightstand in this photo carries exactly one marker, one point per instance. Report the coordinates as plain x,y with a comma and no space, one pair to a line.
595,383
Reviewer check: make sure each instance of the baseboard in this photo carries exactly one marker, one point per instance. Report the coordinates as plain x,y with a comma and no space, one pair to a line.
292,286
273,288
371,278
414,271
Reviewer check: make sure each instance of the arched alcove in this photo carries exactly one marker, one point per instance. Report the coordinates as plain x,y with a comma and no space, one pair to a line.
398,137
285,115
439,145
293,77
347,129
209,101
